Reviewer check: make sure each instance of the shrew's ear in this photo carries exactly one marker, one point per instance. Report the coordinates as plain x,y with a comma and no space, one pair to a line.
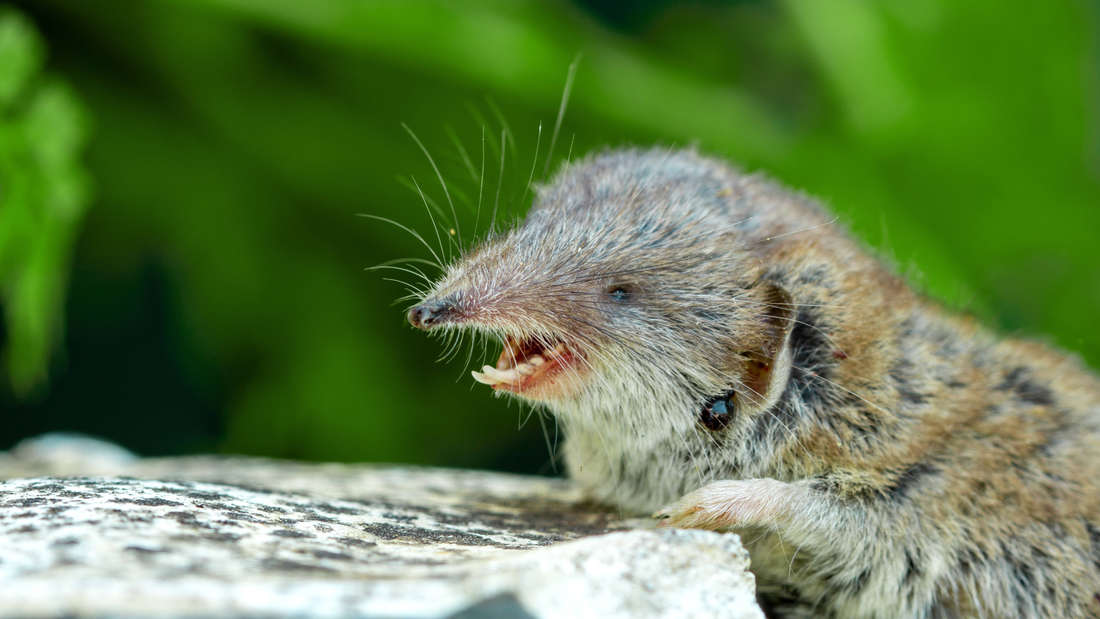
768,365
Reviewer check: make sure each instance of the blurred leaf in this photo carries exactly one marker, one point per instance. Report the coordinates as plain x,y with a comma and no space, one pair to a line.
20,54
43,192
464,41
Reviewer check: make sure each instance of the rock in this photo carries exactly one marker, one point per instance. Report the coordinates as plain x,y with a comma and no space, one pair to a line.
64,453
245,537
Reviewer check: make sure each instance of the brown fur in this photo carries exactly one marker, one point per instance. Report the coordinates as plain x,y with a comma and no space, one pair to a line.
904,461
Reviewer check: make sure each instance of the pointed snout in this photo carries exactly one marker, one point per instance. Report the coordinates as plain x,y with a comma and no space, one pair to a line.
430,313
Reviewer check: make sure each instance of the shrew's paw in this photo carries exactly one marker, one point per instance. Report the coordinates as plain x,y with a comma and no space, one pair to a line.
724,505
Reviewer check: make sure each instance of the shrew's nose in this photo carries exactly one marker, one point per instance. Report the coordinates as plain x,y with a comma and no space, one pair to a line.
427,314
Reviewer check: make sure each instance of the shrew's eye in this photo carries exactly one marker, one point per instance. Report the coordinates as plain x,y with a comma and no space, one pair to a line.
620,292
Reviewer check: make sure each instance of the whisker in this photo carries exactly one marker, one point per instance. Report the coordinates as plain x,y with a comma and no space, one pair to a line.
411,289
561,113
469,357
503,122
403,299
415,234
415,272
500,181
442,183
462,154
815,374
549,446
429,204
800,231
534,164
480,183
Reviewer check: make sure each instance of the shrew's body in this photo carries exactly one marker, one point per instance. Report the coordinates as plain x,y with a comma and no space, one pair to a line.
712,340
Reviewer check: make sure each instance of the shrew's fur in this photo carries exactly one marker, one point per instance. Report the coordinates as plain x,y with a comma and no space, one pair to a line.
884,457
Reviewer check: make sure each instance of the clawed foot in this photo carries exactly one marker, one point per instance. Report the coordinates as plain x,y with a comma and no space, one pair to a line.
726,504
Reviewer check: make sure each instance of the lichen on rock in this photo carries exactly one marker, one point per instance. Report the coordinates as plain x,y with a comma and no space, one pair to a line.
242,536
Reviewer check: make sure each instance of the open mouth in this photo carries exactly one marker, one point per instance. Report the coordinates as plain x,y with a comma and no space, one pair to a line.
526,364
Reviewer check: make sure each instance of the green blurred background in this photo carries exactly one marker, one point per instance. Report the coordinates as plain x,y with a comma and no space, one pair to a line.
182,267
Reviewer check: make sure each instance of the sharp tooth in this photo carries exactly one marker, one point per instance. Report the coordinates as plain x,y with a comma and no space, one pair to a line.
488,375
537,360
526,369
501,376
483,379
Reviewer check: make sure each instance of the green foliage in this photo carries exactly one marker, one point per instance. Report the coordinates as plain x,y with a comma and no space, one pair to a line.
43,194
221,270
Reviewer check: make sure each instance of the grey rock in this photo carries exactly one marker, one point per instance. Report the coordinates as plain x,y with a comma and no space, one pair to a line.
66,453
217,536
